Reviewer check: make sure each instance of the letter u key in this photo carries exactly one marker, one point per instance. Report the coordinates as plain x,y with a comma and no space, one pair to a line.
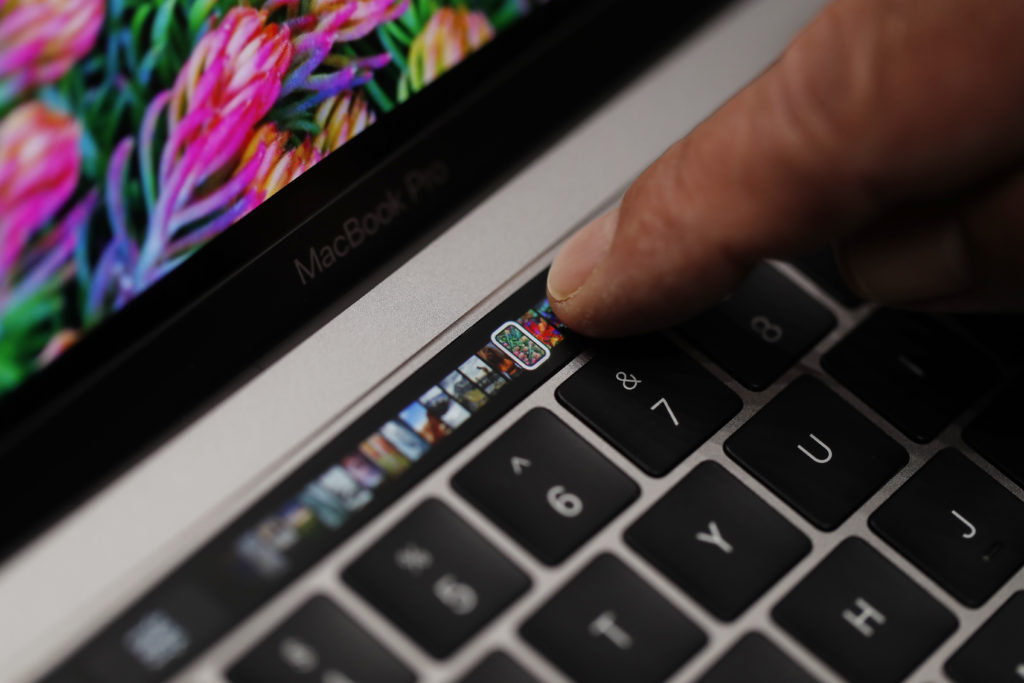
821,460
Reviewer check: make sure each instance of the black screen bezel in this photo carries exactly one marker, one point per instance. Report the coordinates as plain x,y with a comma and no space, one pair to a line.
238,304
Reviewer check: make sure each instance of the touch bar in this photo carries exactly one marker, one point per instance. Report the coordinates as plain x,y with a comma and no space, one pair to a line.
430,416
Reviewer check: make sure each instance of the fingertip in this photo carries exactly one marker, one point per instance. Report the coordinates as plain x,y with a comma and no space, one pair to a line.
571,274
580,256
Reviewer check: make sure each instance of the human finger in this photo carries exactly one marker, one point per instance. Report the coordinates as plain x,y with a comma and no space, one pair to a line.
876,105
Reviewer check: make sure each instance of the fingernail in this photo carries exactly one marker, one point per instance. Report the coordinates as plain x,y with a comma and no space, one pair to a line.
908,266
580,255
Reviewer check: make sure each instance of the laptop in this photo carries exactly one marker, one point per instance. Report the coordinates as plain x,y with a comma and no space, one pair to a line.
283,400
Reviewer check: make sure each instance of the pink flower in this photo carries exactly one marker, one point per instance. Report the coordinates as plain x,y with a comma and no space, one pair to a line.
271,159
267,165
348,20
40,40
448,37
280,164
365,16
39,169
58,344
229,83
341,118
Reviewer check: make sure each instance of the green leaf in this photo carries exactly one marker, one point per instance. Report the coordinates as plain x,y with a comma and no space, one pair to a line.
20,319
397,32
397,54
302,125
91,156
137,99
160,32
138,27
425,8
148,65
505,17
109,125
403,88
379,97
25,329
410,19
83,264
10,372
197,15
168,66
111,62
181,45
116,8
112,124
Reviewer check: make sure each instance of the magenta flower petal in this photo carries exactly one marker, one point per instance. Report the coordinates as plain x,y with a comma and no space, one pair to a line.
40,40
228,84
39,169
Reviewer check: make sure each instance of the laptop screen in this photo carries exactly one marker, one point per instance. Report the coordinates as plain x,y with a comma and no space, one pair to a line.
134,132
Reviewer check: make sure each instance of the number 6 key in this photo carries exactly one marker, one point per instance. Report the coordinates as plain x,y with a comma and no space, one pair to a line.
566,493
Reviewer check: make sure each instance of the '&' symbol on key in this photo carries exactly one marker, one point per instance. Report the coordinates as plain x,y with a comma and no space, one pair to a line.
629,382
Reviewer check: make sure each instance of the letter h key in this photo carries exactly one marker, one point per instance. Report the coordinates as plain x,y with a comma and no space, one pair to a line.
864,616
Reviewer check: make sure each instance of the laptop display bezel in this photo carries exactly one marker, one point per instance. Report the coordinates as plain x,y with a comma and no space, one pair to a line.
241,301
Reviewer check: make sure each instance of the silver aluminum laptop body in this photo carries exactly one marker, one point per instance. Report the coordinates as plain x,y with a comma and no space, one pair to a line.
68,582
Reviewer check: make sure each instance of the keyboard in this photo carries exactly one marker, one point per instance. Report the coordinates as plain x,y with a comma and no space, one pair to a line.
793,486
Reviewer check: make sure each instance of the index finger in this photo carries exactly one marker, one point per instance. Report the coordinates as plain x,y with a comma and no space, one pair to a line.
877,104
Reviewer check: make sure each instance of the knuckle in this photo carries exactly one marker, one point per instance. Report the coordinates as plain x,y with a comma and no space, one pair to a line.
818,89
829,100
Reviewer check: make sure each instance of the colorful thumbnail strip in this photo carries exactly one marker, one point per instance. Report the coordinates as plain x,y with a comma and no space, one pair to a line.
349,485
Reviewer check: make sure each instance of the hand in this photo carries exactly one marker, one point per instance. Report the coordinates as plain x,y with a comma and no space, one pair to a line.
893,129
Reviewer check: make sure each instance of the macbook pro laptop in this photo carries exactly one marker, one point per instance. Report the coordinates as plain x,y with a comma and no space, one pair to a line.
282,399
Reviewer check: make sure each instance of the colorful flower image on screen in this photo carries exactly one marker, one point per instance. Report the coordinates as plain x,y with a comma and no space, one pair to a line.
132,132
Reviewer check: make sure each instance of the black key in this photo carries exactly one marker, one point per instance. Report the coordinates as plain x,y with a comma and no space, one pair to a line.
498,667
718,541
995,654
545,486
608,625
650,400
816,452
821,267
997,433
319,644
436,578
915,371
756,660
164,630
863,616
956,523
1000,334
760,331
